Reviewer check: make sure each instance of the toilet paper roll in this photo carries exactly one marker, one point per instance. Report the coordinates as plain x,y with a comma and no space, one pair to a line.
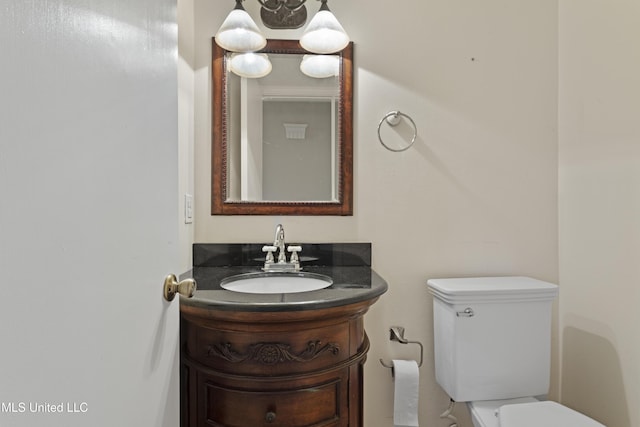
405,398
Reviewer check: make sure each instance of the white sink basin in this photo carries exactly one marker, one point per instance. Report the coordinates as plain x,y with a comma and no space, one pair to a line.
276,283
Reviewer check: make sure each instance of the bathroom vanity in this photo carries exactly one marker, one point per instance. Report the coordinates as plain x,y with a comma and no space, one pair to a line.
276,359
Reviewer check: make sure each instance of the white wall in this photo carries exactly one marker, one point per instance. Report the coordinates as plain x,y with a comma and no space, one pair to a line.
477,194
600,208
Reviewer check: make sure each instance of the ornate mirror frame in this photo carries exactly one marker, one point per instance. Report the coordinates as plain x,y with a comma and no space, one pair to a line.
219,203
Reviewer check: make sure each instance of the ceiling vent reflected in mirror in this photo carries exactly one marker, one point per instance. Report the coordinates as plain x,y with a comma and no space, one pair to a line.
295,130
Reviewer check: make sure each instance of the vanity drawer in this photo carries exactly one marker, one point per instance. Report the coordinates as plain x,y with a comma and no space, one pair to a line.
270,353
314,406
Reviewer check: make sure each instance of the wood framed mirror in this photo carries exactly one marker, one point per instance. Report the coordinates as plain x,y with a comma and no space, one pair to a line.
282,144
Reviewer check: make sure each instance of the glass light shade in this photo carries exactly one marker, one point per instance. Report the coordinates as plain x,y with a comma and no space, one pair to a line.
250,65
239,33
324,34
320,66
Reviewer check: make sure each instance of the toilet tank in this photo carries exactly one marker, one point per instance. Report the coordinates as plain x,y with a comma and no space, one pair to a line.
492,336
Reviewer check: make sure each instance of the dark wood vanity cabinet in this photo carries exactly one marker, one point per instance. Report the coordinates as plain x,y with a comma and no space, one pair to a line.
277,369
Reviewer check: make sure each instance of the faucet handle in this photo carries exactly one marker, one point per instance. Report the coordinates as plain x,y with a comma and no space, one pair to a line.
269,250
294,255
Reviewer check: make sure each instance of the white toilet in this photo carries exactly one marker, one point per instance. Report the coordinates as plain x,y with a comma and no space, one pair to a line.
492,338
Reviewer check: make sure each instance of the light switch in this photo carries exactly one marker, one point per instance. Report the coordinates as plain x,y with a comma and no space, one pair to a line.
188,208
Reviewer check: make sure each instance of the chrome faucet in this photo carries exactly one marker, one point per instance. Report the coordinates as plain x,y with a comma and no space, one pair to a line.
278,242
278,245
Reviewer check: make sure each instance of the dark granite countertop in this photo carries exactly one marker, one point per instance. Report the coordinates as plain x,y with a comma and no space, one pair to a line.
348,264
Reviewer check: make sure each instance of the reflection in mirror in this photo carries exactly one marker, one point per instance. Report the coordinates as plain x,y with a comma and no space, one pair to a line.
286,127
282,144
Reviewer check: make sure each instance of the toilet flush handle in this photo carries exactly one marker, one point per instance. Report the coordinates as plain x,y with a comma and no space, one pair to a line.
468,312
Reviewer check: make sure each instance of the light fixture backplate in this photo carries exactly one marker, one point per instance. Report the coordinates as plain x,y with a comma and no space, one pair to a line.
276,15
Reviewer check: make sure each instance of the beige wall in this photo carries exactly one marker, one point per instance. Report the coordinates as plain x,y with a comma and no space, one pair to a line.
477,195
600,208
186,125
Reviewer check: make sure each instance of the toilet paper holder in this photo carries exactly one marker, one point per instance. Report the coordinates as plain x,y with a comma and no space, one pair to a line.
396,333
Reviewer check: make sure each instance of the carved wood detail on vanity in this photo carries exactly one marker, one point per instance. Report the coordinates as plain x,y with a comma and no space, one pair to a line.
281,369
269,353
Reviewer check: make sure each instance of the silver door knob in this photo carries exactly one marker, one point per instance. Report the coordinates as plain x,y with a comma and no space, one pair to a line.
172,287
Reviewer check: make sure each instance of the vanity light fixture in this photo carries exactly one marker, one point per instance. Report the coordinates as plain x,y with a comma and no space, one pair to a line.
324,34
239,33
283,14
251,65
320,66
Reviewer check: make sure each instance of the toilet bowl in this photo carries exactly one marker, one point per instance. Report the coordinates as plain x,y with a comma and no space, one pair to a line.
484,413
526,412
492,350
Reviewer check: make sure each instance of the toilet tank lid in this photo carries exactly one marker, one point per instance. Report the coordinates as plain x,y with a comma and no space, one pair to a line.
491,289
545,413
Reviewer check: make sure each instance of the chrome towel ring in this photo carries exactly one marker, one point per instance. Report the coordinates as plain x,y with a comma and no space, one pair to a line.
393,119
